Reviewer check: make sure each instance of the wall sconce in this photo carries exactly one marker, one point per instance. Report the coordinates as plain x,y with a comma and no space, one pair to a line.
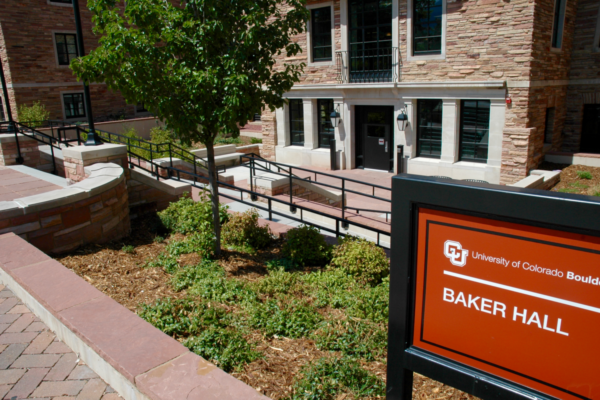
402,120
335,117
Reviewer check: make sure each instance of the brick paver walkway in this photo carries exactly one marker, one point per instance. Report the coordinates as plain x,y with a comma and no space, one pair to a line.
15,184
34,364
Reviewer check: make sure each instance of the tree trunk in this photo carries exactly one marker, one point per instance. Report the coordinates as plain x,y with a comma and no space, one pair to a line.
214,194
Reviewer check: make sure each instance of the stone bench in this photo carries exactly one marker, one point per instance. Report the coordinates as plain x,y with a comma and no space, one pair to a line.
224,155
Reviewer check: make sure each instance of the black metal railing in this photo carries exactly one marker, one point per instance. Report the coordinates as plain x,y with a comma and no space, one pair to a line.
367,65
254,163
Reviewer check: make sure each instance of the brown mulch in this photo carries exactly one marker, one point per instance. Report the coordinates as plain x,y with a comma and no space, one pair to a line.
122,276
571,183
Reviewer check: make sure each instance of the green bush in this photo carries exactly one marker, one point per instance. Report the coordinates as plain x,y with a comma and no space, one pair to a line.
228,140
255,140
199,242
329,378
225,348
292,319
362,259
242,229
277,282
370,303
129,249
584,175
306,246
333,288
164,261
34,115
284,264
158,239
352,337
187,215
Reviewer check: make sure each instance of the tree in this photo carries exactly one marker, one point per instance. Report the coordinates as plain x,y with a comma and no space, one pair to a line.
204,67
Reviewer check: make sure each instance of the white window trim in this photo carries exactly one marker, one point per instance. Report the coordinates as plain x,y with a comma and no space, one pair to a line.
59,4
596,44
409,35
62,104
562,33
56,47
309,36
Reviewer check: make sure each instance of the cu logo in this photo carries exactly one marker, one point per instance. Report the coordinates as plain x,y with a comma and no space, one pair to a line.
456,254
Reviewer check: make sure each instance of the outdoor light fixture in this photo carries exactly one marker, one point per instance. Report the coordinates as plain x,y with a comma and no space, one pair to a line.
335,117
402,120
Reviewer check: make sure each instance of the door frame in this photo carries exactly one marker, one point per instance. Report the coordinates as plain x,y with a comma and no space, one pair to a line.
358,133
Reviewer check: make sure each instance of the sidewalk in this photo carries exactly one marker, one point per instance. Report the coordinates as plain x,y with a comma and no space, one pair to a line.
34,364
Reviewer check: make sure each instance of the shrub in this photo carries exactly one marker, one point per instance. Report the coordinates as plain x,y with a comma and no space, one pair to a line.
306,246
199,242
289,319
129,249
277,282
352,337
223,290
187,276
584,175
242,229
166,262
328,379
371,303
332,288
227,140
223,347
158,239
283,264
34,115
255,140
187,215
362,259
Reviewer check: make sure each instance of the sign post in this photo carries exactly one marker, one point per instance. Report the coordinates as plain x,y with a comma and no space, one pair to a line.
494,290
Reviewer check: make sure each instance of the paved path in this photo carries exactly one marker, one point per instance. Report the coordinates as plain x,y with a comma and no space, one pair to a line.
34,364
15,184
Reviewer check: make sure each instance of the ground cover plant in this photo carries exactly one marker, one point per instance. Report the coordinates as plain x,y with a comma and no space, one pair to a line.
579,179
293,330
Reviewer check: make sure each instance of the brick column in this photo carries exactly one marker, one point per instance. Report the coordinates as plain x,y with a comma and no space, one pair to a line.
517,151
29,150
79,157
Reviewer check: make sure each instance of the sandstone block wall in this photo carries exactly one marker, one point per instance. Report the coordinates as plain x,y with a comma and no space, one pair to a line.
269,134
517,151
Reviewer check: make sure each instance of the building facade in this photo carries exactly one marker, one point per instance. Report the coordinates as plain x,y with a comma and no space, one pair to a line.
488,86
37,43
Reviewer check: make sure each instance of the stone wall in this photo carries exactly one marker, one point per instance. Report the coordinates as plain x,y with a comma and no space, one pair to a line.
93,211
517,150
269,134
78,157
28,147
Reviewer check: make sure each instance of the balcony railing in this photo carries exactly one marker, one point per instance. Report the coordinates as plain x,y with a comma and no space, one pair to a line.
368,65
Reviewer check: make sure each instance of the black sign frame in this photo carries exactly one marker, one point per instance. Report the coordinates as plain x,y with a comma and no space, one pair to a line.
545,209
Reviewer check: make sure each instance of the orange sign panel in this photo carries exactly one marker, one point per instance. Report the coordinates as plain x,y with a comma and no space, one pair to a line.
519,302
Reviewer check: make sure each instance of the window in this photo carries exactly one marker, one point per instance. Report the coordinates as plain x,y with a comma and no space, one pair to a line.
321,34
66,47
326,131
2,117
74,107
559,20
549,130
474,130
429,128
296,122
257,117
427,27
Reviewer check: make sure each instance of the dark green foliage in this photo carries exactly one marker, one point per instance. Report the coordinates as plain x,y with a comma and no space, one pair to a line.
228,140
358,338
291,318
584,175
278,281
225,348
199,242
371,303
166,262
129,249
187,276
255,140
306,246
284,264
243,229
187,215
362,259
158,239
327,379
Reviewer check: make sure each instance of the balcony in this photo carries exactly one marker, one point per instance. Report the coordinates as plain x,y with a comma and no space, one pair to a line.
367,65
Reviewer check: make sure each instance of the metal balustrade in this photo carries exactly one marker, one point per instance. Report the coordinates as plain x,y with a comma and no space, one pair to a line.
368,65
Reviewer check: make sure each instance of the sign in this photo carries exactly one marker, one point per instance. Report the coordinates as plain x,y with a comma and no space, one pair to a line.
513,304
381,142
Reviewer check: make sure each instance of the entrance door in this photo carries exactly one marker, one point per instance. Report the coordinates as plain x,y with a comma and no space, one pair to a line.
590,129
375,137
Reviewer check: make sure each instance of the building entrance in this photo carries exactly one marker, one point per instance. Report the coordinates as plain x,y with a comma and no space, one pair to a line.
374,137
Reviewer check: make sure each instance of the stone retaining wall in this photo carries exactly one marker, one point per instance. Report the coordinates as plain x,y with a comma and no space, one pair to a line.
95,210
9,153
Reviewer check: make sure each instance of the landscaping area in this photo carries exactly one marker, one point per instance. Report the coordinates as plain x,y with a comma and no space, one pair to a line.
295,318
579,179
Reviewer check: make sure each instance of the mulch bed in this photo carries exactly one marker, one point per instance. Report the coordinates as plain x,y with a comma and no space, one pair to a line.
571,183
122,276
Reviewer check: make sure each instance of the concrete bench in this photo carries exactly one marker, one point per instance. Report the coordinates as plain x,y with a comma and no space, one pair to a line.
224,155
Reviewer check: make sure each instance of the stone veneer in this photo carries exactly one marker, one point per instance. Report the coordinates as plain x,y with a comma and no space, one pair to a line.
78,157
95,210
9,153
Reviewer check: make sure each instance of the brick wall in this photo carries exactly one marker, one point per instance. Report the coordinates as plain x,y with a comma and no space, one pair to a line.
28,147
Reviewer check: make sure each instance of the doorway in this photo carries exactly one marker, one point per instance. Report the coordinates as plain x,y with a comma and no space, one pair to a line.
374,137
590,129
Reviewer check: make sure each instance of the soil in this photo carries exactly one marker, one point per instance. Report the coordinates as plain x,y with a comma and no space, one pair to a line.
571,183
246,140
123,277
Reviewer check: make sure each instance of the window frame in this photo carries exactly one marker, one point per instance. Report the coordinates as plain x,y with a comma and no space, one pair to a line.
561,20
291,119
420,102
309,33
410,37
64,105
461,136
55,42
320,123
